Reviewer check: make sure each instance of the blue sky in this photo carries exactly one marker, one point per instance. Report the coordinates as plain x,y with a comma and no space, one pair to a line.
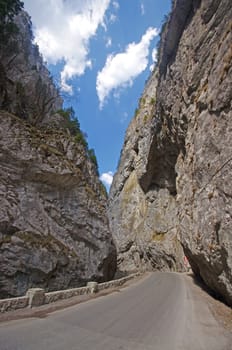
101,53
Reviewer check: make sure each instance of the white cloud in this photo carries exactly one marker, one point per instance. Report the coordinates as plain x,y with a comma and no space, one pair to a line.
116,5
107,178
113,18
121,69
124,117
108,42
63,30
154,59
142,9
154,54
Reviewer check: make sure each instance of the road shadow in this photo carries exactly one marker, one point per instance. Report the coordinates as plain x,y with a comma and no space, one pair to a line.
197,280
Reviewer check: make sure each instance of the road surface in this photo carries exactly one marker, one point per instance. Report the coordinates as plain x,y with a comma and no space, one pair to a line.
159,312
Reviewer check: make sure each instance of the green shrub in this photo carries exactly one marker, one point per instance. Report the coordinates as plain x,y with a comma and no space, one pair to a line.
70,120
72,124
145,118
142,101
80,139
136,112
152,101
103,190
93,158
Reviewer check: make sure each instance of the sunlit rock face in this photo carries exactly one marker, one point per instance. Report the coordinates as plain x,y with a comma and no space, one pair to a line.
174,175
144,221
54,231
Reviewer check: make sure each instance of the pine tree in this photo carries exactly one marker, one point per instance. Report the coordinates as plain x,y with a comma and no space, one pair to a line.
8,9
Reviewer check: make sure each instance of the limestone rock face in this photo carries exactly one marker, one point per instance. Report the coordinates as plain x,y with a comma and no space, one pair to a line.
53,226
187,156
54,231
143,222
194,100
26,87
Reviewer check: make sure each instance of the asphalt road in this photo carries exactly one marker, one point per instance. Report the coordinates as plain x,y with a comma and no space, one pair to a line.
160,312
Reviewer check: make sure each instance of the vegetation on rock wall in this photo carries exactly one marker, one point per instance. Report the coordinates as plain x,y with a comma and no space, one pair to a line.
72,123
26,87
9,8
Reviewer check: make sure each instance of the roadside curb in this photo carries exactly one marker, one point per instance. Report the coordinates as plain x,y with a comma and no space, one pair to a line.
37,297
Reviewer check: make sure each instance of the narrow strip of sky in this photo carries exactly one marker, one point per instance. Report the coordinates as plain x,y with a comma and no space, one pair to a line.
102,51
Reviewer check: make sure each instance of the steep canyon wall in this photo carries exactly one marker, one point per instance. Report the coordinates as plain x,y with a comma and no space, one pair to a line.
54,231
173,184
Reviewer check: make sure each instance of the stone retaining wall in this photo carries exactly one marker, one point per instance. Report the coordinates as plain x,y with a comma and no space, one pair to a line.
51,297
13,303
37,296
116,283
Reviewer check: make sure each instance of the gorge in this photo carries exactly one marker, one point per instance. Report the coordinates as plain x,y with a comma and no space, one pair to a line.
171,195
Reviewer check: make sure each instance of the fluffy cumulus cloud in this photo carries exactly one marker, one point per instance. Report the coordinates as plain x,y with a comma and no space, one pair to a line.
107,178
121,69
154,59
154,55
63,31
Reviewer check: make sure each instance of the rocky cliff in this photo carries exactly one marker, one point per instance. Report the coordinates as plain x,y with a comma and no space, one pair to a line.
54,232
26,87
143,222
174,175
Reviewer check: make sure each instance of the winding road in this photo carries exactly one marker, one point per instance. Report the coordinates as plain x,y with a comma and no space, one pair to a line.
159,312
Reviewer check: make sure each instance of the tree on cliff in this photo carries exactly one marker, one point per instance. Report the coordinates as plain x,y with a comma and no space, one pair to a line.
8,9
8,43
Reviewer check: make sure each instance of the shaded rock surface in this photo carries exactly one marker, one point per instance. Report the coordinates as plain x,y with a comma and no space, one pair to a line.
53,227
54,231
26,86
185,153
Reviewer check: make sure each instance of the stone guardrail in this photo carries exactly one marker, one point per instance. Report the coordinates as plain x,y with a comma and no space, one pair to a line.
38,297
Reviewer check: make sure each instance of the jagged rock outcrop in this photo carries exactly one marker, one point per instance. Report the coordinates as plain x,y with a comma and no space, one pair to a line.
188,155
54,231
